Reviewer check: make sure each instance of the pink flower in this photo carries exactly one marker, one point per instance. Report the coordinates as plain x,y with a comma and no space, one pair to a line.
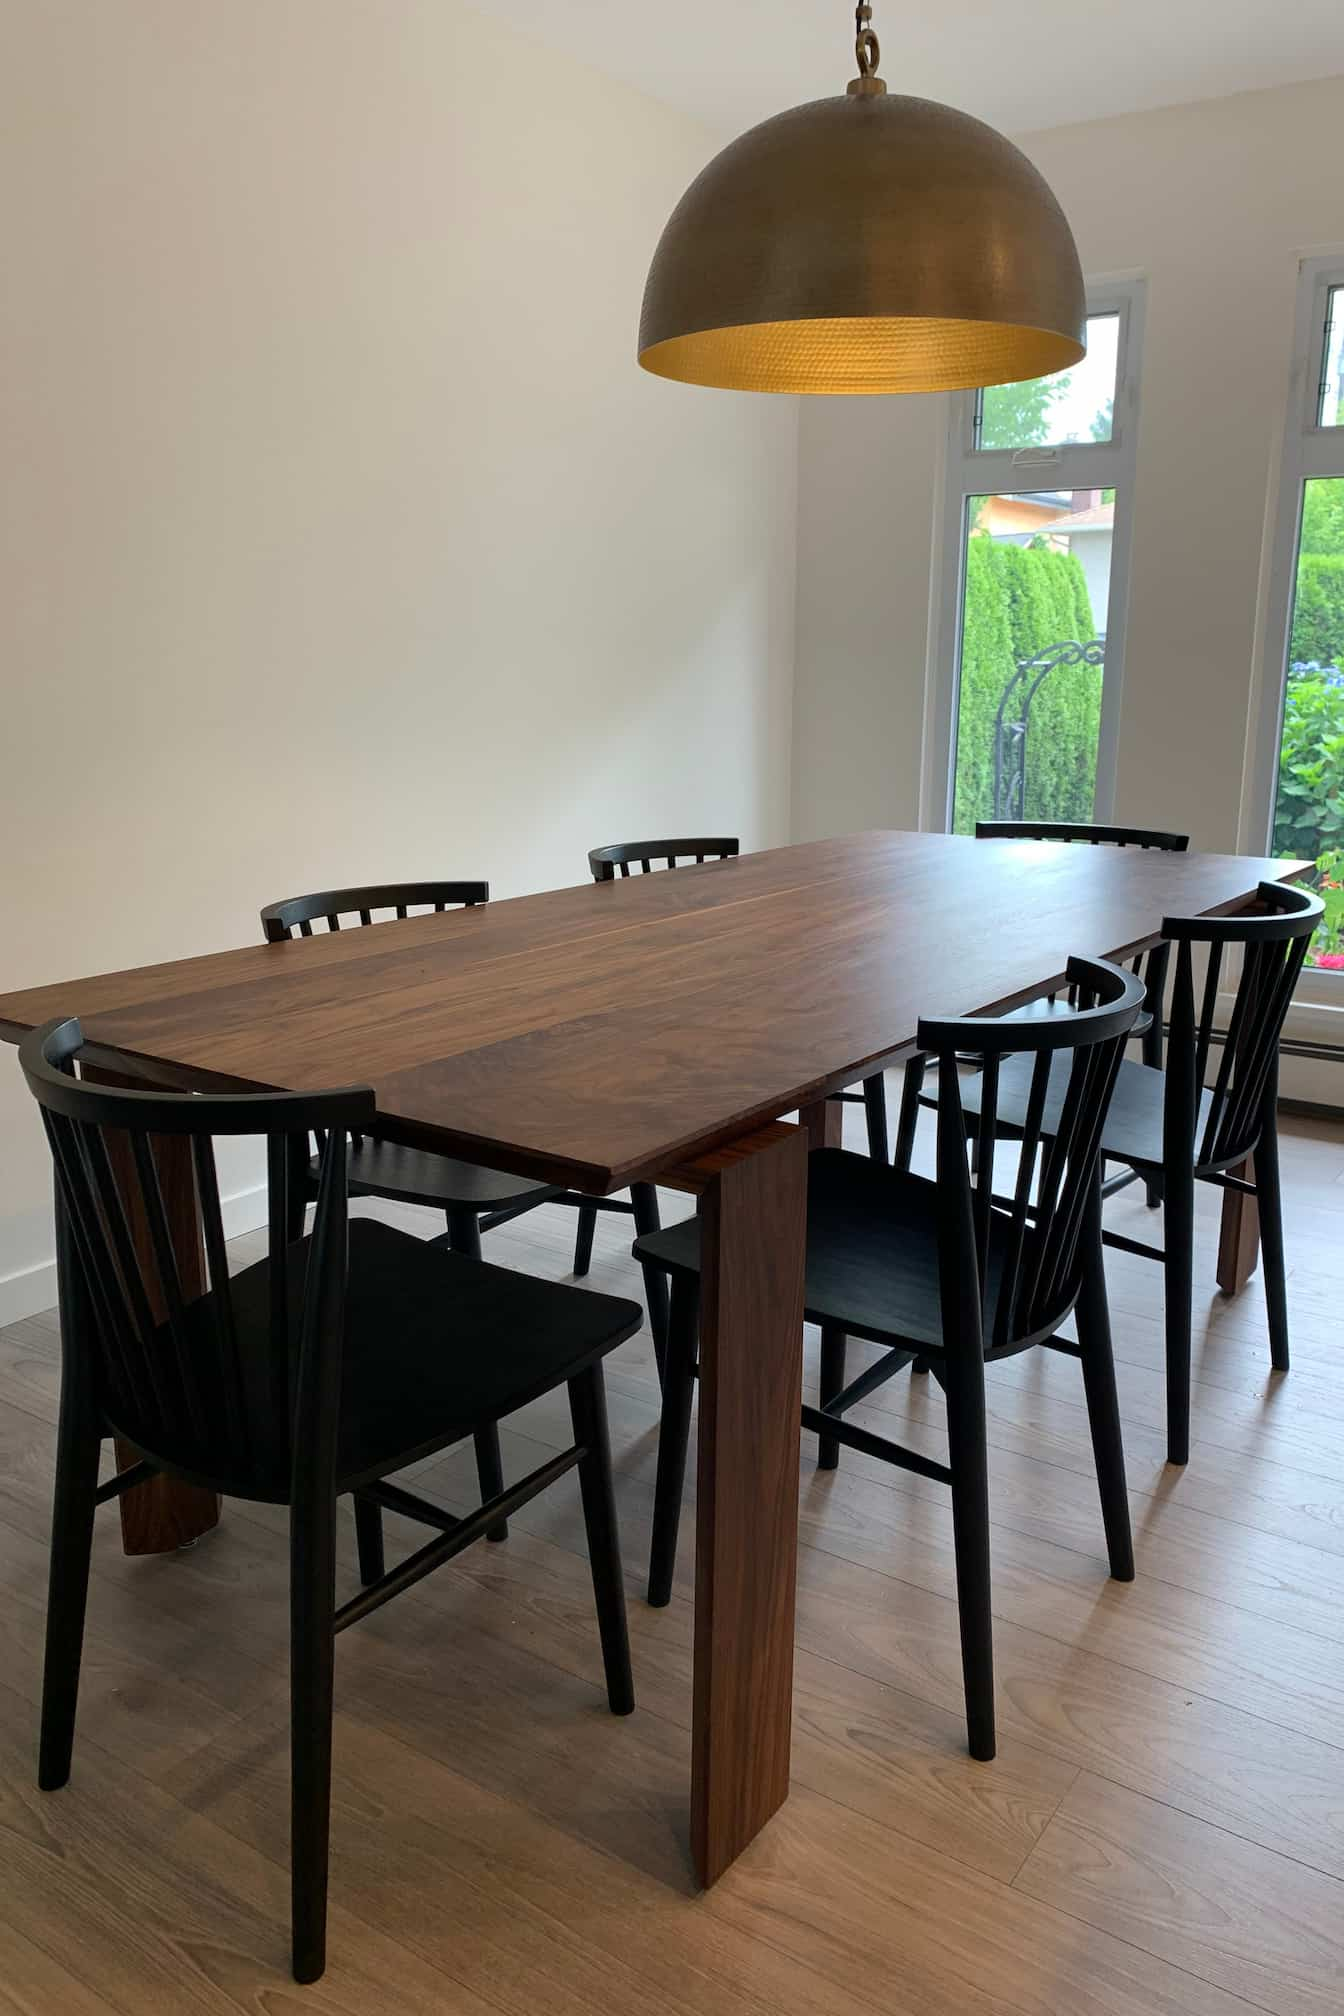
1333,961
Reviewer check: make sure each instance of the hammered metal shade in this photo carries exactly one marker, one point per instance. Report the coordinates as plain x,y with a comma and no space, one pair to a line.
866,243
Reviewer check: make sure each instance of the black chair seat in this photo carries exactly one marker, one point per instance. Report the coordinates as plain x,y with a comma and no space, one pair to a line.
417,1176
1133,1130
435,1344
872,1250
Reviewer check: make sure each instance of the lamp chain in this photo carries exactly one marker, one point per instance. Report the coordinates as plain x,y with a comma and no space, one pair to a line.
866,47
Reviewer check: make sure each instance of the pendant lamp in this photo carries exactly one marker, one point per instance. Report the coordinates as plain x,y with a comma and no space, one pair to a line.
864,243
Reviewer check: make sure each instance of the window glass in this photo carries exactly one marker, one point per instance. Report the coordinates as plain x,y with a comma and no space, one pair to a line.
1034,599
1309,799
1073,405
1332,368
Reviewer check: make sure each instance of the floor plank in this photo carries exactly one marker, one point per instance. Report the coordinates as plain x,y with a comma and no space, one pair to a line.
1163,1830
1219,1906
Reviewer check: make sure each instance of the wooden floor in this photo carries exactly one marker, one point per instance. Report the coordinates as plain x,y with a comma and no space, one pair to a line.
1163,1830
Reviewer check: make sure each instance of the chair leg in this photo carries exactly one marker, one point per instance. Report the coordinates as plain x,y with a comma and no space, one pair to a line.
1103,1406
312,1599
588,1411
875,1112
920,1365
583,1238
77,1447
490,1475
834,1344
644,1198
464,1236
964,1380
912,1086
674,1434
369,1539
1269,1195
1178,1203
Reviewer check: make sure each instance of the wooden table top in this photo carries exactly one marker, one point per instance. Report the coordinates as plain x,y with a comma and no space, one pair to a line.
599,1034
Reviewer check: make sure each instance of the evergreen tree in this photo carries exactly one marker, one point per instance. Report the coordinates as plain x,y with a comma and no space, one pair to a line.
1021,601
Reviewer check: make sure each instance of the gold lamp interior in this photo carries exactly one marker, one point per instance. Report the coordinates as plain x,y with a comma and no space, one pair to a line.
861,354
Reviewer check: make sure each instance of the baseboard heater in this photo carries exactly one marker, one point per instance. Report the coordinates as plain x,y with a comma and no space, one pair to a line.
1317,1053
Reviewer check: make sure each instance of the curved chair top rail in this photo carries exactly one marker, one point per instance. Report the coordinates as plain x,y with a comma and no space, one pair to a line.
1283,911
47,1054
1109,999
1090,835
605,861
279,920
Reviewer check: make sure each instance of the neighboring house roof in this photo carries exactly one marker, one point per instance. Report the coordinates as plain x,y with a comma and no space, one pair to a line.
1097,518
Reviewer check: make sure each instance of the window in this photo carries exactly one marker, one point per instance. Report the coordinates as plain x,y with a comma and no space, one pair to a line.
1306,617
1030,632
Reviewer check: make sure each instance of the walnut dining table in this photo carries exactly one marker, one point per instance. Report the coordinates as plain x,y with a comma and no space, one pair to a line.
656,1029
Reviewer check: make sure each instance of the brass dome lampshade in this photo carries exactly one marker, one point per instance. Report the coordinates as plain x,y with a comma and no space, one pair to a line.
865,243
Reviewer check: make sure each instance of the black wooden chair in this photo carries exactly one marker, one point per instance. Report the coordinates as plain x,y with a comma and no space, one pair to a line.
1152,965
606,864
322,1369
473,1199
618,859
1174,1129
948,1271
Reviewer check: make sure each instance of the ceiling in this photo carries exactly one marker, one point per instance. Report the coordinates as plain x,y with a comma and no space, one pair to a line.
1021,64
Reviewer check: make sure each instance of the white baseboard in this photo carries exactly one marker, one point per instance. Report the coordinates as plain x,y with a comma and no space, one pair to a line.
30,1291
27,1292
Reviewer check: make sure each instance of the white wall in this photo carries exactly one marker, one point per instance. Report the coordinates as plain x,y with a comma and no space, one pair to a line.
1215,203
342,537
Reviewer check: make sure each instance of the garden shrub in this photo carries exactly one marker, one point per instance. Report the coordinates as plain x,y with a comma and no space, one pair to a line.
1318,610
1309,806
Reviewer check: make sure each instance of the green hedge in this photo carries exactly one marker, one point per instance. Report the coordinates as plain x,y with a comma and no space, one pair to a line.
1021,600
1318,610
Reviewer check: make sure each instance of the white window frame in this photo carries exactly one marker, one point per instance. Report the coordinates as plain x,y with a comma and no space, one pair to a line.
969,471
1308,450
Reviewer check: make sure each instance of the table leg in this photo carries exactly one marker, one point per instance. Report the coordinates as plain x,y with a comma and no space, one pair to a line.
751,1326
823,1124
1239,1237
163,1514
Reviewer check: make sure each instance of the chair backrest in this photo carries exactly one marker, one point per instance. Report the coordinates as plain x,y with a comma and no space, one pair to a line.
607,862
1154,968
191,1373
356,906
1274,939
1084,833
1010,1269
